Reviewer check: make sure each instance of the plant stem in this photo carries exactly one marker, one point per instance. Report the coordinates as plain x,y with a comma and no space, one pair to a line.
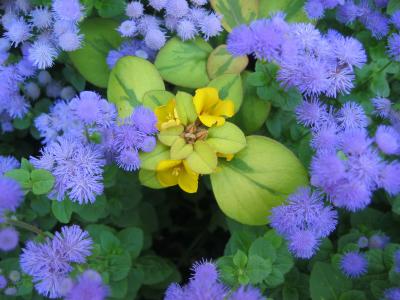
24,225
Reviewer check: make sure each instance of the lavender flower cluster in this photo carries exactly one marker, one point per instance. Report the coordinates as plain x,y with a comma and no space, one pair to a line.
50,263
204,284
313,62
179,17
74,156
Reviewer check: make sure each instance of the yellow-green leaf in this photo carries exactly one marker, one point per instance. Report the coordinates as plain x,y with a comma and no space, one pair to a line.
236,12
131,78
169,135
185,108
203,160
294,9
222,62
184,63
153,99
100,37
151,159
259,178
226,139
230,88
148,178
180,150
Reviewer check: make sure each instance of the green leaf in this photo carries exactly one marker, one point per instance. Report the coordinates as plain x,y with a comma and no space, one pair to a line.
110,9
62,210
92,212
73,77
259,177
130,79
263,248
132,240
275,278
151,159
180,150
23,123
119,266
109,242
227,139
353,295
258,269
222,62
22,176
379,85
41,205
229,88
203,159
227,269
290,293
153,99
292,8
239,240
392,6
119,288
375,261
155,269
185,108
169,135
42,181
236,12
327,283
184,63
100,37
240,259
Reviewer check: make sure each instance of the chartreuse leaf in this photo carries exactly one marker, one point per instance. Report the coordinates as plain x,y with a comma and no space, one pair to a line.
185,108
22,176
130,79
236,12
327,283
184,63
221,62
42,181
203,159
153,99
180,149
292,8
100,37
168,136
229,88
149,178
259,177
226,139
151,159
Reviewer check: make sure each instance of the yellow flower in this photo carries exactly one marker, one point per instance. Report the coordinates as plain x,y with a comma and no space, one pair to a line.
167,116
173,172
210,109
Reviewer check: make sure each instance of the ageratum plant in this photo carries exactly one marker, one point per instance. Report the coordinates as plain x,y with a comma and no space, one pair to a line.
205,150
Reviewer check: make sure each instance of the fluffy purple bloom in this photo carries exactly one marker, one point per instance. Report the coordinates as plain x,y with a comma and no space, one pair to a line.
354,141
144,119
381,3
266,39
303,244
49,263
354,264
396,261
389,178
11,194
311,113
327,170
377,23
325,138
314,9
70,41
382,106
3,282
365,168
158,4
77,168
396,19
177,8
128,159
71,10
392,294
348,12
44,78
128,28
155,39
362,242
18,31
378,241
42,53
41,18
387,139
9,238
350,194
394,46
133,47
32,90
134,9
8,163
350,51
210,25
246,293
352,116
240,41
186,29
89,286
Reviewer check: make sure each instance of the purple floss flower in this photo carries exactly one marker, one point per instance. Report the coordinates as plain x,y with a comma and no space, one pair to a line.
210,25
129,160
112,58
314,9
325,138
382,106
313,76
3,282
148,22
389,178
174,292
381,3
350,51
128,28
42,54
32,90
144,119
246,293
177,8
71,10
186,29
327,170
155,39
11,194
378,241
392,294
394,46
348,12
350,194
89,286
303,244
70,41
8,163
340,80
396,19
41,18
365,168
134,9
158,4
362,242
18,31
352,116
396,261
240,41
354,141
377,23
311,113
9,238
199,2
18,106
75,242
387,139
353,264
266,40
26,68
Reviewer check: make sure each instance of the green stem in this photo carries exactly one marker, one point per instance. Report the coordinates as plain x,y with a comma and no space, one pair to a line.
24,225
373,74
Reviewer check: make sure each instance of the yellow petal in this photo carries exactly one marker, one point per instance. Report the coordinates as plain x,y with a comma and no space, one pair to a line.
188,180
166,178
224,108
209,120
164,113
205,98
167,165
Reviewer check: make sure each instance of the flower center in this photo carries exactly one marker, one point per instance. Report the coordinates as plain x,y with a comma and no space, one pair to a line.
194,132
176,171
